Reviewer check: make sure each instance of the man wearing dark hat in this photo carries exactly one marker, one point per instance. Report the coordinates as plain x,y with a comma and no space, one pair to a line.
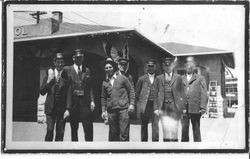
123,65
82,97
195,101
117,101
168,100
145,102
58,100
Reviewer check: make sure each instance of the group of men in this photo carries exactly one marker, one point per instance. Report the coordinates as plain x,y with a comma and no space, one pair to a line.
167,98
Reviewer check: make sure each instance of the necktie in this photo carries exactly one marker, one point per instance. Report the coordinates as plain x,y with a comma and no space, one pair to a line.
79,72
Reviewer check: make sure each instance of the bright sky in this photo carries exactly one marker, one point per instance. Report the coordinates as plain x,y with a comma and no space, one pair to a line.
216,26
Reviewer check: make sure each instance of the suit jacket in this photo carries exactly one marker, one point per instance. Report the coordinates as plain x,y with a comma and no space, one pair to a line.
177,87
142,92
195,93
80,105
120,96
65,93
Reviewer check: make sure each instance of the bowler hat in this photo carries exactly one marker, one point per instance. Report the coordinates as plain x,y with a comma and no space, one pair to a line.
78,53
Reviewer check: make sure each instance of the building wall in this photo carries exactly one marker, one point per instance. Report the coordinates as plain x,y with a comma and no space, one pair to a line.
210,66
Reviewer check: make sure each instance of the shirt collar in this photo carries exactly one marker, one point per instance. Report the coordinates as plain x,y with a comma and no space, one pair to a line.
170,74
57,72
151,75
119,73
76,67
115,75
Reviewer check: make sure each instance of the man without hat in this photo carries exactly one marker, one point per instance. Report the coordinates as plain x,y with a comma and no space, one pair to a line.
82,97
145,102
195,101
168,100
117,99
58,100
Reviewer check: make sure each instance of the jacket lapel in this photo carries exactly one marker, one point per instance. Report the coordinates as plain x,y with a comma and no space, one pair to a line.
184,80
75,73
194,76
147,80
174,77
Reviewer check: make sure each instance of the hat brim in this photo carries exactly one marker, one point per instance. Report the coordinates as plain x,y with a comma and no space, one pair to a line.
110,62
119,60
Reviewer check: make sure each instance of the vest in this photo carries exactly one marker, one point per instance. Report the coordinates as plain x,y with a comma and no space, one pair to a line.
151,93
78,86
57,92
168,96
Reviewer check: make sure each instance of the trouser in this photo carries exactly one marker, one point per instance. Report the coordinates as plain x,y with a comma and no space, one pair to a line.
53,119
145,118
87,128
195,120
119,124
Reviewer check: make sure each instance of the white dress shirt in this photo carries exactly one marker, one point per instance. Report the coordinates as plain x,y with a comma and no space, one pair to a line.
113,78
168,77
76,68
57,74
189,76
151,77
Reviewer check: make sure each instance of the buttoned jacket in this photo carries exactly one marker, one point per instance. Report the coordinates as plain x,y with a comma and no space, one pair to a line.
64,91
177,89
118,96
195,93
142,92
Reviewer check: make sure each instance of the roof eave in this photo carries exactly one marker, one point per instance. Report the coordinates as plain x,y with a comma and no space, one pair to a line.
151,41
204,53
73,34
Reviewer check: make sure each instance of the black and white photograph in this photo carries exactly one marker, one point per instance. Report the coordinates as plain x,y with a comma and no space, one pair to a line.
114,77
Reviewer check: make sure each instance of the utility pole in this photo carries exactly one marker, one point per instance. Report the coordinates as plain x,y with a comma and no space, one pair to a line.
139,24
36,15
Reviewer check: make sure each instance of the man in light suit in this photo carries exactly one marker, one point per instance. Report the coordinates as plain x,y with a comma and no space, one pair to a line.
168,100
195,101
58,100
82,97
145,102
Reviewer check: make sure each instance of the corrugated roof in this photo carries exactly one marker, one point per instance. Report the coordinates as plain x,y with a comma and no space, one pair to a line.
179,49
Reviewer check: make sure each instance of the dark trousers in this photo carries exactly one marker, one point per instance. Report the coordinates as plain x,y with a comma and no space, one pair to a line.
53,119
195,120
87,128
145,118
119,122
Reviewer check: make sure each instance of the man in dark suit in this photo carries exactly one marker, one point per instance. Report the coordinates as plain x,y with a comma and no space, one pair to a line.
168,100
58,100
145,102
195,101
117,101
82,97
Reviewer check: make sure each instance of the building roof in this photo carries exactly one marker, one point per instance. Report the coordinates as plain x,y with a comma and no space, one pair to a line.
73,30
67,29
179,49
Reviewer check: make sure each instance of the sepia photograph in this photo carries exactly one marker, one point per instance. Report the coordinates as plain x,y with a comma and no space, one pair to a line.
126,77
